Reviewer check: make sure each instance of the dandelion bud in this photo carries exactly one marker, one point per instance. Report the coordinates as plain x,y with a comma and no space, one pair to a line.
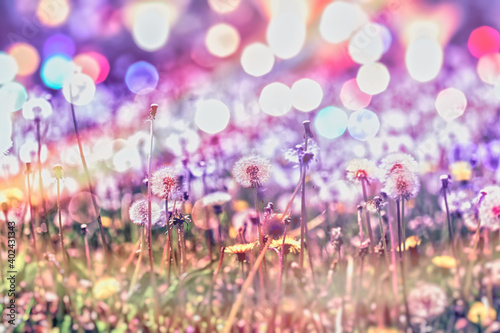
84,229
152,111
445,179
58,171
307,128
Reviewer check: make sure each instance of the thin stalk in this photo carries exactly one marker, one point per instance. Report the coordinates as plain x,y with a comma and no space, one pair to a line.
180,233
87,254
149,242
448,217
401,263
368,223
166,256
282,259
137,265
394,265
261,245
91,189
212,285
403,228
239,300
400,247
61,238
384,240
468,275
43,215
302,213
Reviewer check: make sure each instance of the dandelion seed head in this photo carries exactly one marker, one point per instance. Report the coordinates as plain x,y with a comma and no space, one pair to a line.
359,169
489,209
165,182
139,212
427,301
401,185
398,162
252,171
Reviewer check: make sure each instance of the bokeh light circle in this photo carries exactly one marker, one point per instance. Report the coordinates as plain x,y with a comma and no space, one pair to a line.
373,78
204,216
367,44
103,63
8,68
490,155
223,6
276,99
12,96
222,40
450,103
141,78
53,13
81,207
331,122
212,116
286,34
26,56
55,70
306,95
363,125
424,59
483,40
151,27
352,97
37,107
339,20
488,68
59,44
79,89
88,65
257,59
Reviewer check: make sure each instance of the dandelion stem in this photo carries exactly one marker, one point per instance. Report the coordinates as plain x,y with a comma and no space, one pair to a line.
384,239
401,263
91,189
87,253
137,265
239,300
149,242
302,212
448,216
368,223
394,265
61,238
43,215
261,245
403,228
282,259
212,286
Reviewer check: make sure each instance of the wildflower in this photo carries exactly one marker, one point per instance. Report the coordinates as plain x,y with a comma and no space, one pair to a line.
481,314
489,208
139,212
252,171
445,262
240,250
427,301
412,242
165,182
291,244
105,288
400,176
361,169
461,171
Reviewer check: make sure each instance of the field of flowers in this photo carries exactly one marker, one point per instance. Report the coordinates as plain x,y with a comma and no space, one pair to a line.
249,166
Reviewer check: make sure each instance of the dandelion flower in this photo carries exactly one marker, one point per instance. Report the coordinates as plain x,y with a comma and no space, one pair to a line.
139,212
240,250
411,242
361,169
481,314
445,262
165,182
396,162
291,244
252,171
106,287
461,171
427,301
489,210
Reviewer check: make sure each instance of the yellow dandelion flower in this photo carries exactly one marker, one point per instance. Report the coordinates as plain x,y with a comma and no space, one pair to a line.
479,313
412,241
105,288
239,248
291,244
461,171
444,262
